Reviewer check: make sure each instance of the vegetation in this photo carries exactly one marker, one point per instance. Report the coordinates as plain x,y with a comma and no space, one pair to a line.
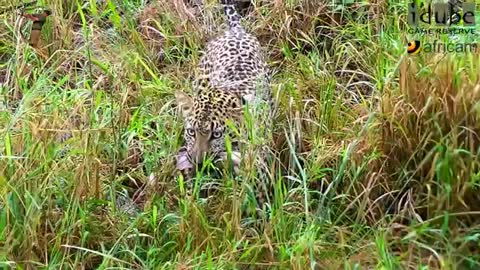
387,181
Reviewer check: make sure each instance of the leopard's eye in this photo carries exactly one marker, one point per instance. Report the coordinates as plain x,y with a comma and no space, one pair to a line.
217,134
190,131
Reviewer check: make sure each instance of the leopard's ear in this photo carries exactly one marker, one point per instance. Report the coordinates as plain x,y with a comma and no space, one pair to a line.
184,102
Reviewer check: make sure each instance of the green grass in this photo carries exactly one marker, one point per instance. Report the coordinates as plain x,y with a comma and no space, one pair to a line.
388,182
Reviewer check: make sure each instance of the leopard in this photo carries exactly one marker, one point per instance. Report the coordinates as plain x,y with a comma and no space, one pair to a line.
232,73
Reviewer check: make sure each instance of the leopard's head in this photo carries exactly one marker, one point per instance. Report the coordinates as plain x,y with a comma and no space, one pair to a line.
205,117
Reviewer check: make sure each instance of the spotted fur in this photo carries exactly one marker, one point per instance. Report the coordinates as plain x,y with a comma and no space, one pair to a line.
232,72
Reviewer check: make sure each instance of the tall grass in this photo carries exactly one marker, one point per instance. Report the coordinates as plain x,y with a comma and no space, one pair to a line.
373,161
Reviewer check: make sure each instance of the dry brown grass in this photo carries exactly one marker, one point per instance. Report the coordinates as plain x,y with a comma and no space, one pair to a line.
387,183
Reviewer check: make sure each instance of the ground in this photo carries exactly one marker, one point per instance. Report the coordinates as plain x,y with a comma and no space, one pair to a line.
374,156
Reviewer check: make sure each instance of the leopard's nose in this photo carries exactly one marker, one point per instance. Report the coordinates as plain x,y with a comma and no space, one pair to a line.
199,157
